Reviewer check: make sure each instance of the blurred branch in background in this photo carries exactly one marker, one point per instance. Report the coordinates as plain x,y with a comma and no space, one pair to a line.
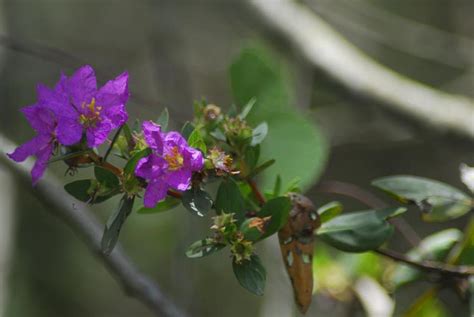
327,50
80,219
382,26
7,219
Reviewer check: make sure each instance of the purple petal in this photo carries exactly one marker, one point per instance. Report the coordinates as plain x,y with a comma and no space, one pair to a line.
68,131
180,179
153,136
41,163
40,118
193,159
98,134
155,191
30,148
174,138
114,92
82,86
150,167
116,114
56,99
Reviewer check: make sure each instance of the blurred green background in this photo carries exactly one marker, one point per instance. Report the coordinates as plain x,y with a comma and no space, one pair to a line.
180,51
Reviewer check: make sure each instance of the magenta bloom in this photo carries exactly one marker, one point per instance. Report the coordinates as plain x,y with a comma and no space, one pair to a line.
98,112
170,165
73,108
51,118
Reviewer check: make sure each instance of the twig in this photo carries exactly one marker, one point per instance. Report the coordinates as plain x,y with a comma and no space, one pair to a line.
256,191
82,222
368,199
114,139
430,266
327,50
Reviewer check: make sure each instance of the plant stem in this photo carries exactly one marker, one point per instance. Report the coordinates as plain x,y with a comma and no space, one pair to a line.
114,139
430,266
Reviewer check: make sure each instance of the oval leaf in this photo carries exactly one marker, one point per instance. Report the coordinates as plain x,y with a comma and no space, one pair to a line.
203,248
229,200
115,223
197,201
279,209
330,210
251,275
359,231
438,201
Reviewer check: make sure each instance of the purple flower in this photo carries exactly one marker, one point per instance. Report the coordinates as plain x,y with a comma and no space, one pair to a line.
74,106
170,165
98,112
50,117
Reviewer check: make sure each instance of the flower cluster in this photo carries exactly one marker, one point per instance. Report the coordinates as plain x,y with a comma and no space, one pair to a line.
73,109
170,165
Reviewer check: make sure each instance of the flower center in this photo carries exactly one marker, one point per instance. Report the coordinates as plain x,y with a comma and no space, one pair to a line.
174,158
91,114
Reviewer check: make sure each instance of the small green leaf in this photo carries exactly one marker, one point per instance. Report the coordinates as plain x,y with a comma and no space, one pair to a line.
218,135
229,200
195,140
115,223
164,205
187,129
330,210
259,133
252,154
197,201
433,247
438,201
262,167
203,248
279,209
163,119
247,108
106,178
132,163
251,275
250,233
68,156
277,187
359,231
81,189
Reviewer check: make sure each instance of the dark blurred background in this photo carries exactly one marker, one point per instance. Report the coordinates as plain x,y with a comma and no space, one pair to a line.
180,51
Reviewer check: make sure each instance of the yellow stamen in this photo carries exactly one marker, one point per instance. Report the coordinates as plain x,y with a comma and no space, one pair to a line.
92,116
175,159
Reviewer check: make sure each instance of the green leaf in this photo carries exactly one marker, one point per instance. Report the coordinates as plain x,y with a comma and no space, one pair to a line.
81,189
197,201
229,200
247,108
132,163
438,201
251,275
68,156
106,178
252,154
164,205
259,133
359,231
187,129
427,305
279,209
250,233
163,119
293,140
115,223
433,247
277,187
262,167
330,210
203,248
195,140
465,251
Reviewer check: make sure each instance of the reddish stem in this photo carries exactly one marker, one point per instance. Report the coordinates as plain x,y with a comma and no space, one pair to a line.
256,192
